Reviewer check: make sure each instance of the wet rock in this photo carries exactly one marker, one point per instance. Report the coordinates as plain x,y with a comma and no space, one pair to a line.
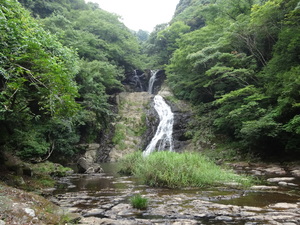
251,208
85,166
189,207
280,179
275,170
94,212
296,172
30,212
224,218
264,187
119,210
284,205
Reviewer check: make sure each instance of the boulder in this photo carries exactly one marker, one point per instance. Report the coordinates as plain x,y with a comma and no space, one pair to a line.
84,166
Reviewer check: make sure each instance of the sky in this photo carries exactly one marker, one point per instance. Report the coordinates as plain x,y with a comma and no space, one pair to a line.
140,14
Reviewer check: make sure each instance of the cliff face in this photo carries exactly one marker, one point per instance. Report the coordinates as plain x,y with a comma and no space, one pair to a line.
137,120
131,125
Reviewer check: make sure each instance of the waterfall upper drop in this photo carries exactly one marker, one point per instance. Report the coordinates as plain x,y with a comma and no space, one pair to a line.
151,81
162,139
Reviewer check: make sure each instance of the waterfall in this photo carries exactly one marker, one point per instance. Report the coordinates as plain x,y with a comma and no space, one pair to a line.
162,139
151,81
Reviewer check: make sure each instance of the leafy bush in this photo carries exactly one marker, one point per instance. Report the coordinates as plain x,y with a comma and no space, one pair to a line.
138,202
173,170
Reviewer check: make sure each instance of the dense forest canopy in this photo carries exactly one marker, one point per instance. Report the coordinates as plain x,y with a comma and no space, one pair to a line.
236,61
239,65
60,62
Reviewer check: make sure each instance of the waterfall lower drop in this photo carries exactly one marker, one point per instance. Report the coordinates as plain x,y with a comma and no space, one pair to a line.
162,139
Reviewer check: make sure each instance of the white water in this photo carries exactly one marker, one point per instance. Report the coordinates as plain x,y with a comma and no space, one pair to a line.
151,81
162,139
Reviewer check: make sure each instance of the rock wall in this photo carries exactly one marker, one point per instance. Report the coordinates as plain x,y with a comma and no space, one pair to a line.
138,120
138,81
131,125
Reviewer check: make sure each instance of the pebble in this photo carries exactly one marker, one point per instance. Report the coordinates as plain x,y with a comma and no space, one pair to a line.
30,212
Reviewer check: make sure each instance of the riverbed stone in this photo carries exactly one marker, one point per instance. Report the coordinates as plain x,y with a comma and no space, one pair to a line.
94,213
252,208
224,218
296,172
30,212
264,187
275,170
280,179
183,207
284,205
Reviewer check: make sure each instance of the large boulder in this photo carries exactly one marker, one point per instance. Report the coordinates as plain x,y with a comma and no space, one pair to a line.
86,163
84,166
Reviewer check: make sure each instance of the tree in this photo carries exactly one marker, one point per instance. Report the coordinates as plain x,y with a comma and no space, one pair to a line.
37,80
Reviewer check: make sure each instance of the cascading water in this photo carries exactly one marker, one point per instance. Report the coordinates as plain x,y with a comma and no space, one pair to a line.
162,139
151,81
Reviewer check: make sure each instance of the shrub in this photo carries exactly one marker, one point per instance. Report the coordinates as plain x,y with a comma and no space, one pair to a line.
138,202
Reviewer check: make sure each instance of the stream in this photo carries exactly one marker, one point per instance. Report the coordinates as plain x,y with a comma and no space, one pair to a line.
104,199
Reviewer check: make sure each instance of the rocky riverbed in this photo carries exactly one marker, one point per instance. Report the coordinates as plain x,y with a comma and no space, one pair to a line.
104,199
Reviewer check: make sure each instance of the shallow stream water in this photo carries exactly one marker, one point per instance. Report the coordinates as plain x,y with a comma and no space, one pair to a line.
106,196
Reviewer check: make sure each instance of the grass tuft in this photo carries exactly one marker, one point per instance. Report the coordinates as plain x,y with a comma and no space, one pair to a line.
175,170
139,202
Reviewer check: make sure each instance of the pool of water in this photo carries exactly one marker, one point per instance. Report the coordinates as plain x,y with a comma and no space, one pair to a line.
95,195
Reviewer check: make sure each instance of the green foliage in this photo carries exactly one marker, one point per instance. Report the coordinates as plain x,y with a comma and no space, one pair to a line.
139,202
128,163
120,132
52,169
31,62
173,170
241,71
37,87
39,99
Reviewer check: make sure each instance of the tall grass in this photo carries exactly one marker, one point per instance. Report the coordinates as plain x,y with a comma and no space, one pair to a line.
173,170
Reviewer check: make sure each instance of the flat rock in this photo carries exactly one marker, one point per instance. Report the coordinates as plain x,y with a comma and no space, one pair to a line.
279,179
252,208
284,205
275,170
296,173
224,218
264,187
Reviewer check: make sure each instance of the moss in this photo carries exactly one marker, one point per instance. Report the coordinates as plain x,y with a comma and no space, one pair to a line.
120,133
